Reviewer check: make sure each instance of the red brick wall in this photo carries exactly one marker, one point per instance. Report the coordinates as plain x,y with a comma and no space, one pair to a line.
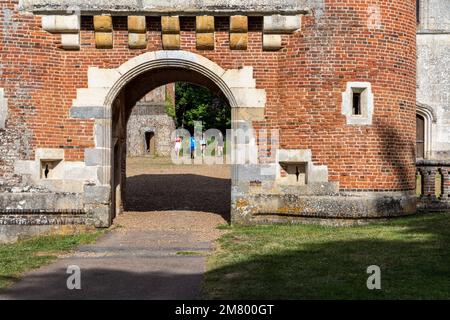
304,82
314,68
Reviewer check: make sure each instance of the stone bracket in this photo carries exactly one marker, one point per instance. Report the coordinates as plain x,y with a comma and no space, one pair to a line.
137,32
103,28
273,27
205,27
170,30
276,25
66,25
238,32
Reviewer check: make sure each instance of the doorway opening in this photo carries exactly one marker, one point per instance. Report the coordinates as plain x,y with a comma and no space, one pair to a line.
150,142
185,108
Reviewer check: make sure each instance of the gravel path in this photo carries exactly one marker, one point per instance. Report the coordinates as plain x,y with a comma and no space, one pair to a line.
157,248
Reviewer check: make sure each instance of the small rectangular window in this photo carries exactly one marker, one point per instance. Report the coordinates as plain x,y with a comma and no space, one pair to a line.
357,103
48,168
293,173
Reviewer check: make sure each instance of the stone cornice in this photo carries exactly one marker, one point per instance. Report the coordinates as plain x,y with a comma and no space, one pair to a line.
171,7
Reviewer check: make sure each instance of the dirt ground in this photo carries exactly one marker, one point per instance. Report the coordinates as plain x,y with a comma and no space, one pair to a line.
164,196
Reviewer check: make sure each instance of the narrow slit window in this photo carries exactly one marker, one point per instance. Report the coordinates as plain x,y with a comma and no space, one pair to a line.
418,11
357,103
420,136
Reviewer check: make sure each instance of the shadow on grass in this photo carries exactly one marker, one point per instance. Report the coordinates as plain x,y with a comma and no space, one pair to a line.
178,192
106,284
283,262
312,262
6,281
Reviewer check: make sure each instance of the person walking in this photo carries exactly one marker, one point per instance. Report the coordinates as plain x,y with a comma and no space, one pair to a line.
193,147
220,144
203,145
178,146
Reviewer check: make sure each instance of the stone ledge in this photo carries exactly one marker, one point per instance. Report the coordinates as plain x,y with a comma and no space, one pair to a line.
182,7
41,219
430,204
44,202
385,205
90,113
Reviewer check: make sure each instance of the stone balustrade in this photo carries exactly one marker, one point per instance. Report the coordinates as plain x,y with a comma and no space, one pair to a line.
433,185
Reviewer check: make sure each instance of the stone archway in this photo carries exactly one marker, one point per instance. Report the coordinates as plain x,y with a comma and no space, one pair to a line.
108,97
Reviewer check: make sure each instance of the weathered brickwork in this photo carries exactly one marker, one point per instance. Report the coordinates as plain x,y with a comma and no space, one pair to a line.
303,82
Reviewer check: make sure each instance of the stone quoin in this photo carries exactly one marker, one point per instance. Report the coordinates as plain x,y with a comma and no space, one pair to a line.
336,80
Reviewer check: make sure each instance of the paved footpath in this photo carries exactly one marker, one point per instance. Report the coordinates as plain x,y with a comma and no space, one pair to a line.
156,254
126,263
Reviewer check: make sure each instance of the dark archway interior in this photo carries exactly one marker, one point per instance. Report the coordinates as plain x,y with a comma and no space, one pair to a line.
152,192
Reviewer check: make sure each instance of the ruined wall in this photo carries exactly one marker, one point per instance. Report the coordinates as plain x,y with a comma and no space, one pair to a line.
150,115
433,64
15,132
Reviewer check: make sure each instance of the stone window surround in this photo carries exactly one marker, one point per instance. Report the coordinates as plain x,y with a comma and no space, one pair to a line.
314,173
367,103
67,176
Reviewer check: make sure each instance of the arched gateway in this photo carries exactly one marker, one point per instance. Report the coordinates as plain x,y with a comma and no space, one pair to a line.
325,116
112,93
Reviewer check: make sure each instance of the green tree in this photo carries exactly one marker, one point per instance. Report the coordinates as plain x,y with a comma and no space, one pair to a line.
196,103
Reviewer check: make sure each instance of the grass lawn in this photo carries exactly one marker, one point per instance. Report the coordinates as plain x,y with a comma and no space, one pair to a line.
317,262
19,257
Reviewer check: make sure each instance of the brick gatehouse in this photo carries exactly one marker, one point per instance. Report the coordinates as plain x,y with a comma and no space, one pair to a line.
335,79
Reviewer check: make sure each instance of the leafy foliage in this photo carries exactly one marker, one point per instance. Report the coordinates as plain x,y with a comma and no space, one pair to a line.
195,103
170,107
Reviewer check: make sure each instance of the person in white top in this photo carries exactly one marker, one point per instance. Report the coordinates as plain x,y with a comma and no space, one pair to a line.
178,146
203,143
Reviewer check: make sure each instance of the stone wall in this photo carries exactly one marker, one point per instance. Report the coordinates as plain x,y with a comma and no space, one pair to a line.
433,80
150,115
